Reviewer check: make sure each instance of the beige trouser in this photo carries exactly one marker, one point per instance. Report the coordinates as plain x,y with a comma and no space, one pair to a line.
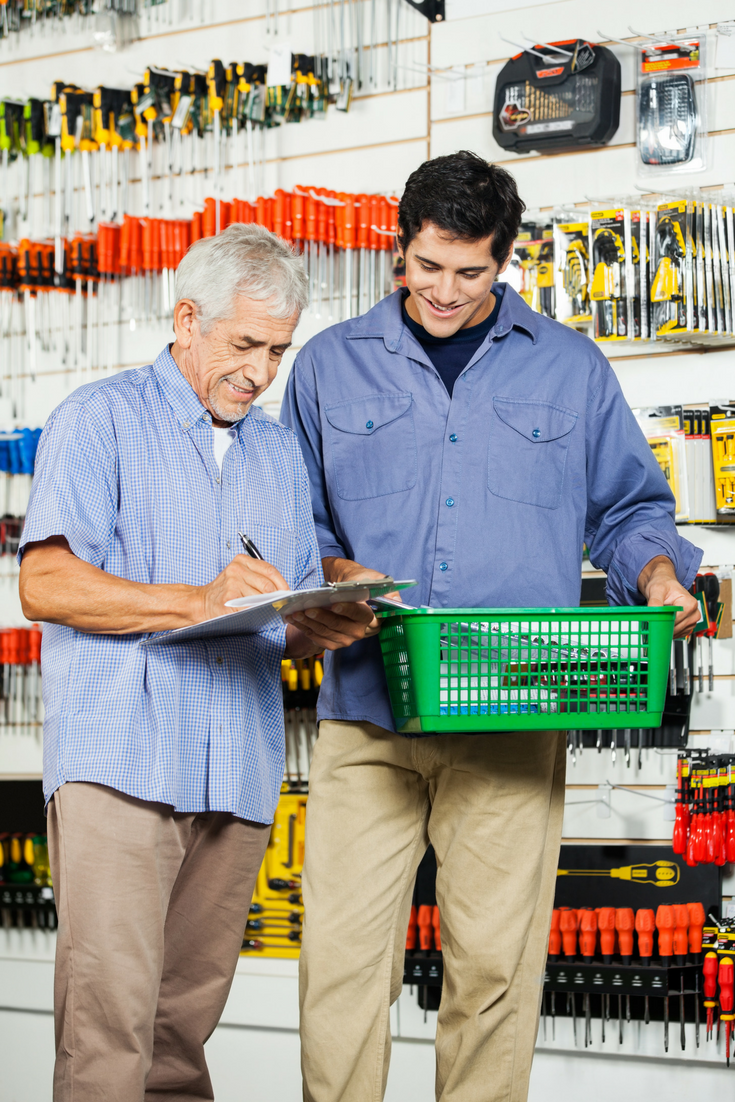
492,807
152,911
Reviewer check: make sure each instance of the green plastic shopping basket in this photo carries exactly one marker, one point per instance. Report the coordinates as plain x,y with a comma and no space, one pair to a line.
526,669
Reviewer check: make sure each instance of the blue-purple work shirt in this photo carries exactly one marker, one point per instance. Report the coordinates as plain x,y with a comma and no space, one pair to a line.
126,472
485,499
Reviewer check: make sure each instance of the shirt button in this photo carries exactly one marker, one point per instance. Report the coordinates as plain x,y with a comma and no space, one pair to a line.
536,433
453,438
499,329
450,502
219,659
187,425
368,424
217,478
228,543
443,566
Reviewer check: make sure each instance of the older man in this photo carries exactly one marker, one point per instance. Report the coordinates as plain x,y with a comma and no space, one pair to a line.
163,765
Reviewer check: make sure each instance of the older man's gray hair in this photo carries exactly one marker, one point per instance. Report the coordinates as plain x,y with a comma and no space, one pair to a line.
244,260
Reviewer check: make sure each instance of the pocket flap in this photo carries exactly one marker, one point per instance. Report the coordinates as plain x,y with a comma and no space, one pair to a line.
365,415
536,421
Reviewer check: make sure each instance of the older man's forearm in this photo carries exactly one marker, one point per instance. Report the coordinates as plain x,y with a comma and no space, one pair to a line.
58,588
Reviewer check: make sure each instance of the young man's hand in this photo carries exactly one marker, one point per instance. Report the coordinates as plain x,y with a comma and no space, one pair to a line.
317,629
659,585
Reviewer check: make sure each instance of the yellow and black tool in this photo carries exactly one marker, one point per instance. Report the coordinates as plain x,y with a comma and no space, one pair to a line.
660,874
608,258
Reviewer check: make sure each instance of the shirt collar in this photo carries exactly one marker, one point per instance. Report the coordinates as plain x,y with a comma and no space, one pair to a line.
386,319
180,394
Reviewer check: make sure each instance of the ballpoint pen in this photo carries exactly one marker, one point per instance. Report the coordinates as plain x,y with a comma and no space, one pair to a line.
249,547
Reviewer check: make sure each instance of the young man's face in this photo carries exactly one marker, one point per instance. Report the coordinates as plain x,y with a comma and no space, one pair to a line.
450,280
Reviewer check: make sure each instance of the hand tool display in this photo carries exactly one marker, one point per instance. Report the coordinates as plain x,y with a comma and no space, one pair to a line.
672,94
704,829
21,695
124,274
276,911
557,96
625,944
26,894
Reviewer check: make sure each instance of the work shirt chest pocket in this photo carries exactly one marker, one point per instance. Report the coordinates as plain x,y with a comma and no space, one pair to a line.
527,454
373,444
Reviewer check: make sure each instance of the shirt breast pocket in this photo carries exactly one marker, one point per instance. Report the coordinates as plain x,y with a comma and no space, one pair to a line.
527,454
373,444
277,546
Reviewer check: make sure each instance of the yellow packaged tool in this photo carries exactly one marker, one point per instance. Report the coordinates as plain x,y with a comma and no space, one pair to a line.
672,287
609,230
534,248
722,428
571,245
663,427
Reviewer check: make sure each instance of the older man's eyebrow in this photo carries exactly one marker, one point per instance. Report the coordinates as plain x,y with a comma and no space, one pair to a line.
252,342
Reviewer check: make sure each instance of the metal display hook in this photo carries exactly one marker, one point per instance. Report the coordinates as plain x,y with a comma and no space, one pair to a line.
530,50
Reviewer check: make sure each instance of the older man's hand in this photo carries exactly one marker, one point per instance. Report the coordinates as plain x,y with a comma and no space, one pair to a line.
660,586
242,577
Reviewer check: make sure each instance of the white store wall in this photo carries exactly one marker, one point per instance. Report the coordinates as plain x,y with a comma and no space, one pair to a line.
383,138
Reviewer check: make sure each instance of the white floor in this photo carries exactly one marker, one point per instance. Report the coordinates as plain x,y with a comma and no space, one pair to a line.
255,1051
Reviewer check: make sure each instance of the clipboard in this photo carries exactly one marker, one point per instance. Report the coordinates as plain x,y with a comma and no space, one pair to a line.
263,610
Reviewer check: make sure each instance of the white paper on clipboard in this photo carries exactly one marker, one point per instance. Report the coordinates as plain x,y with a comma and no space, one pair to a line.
263,610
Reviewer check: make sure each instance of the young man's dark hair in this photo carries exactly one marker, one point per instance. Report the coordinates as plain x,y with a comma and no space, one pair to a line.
465,196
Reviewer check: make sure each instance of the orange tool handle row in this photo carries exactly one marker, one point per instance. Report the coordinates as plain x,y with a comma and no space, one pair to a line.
20,646
423,928
679,929
137,245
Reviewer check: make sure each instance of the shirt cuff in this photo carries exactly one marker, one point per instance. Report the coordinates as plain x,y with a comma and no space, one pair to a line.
635,552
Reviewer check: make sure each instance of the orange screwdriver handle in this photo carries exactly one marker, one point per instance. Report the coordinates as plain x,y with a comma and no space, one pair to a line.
34,643
645,924
436,923
426,931
697,919
297,216
588,933
681,932
568,924
555,935
625,924
412,932
665,926
606,926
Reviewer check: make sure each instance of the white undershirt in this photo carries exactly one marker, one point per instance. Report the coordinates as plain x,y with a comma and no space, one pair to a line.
221,441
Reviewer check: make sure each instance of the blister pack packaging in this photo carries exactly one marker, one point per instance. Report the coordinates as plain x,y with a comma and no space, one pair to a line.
571,246
671,295
664,429
534,248
608,248
672,125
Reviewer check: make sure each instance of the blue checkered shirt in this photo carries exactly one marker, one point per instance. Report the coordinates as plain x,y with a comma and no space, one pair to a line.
126,473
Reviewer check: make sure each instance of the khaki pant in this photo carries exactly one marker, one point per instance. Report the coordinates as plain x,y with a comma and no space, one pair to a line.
152,911
492,807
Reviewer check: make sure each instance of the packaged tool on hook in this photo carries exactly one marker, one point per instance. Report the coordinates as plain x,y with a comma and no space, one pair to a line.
663,427
672,291
534,250
609,237
672,98
571,245
722,428
557,96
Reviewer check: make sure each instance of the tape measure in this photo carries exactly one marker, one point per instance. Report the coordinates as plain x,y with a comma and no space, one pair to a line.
560,96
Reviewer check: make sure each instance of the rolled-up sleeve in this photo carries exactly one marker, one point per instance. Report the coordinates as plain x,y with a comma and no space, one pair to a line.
300,411
74,492
630,508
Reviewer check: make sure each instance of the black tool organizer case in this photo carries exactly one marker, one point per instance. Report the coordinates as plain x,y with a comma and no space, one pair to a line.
555,103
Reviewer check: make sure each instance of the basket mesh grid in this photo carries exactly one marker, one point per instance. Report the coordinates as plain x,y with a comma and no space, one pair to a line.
539,666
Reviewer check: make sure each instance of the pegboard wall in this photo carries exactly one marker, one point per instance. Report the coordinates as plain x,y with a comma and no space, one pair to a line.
445,75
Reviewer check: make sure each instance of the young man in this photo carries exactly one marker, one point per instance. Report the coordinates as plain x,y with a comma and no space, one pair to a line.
454,436
162,766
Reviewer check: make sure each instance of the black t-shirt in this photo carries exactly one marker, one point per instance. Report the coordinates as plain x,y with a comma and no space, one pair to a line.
450,355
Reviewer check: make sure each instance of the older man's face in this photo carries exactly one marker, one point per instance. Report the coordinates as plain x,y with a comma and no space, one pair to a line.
238,358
